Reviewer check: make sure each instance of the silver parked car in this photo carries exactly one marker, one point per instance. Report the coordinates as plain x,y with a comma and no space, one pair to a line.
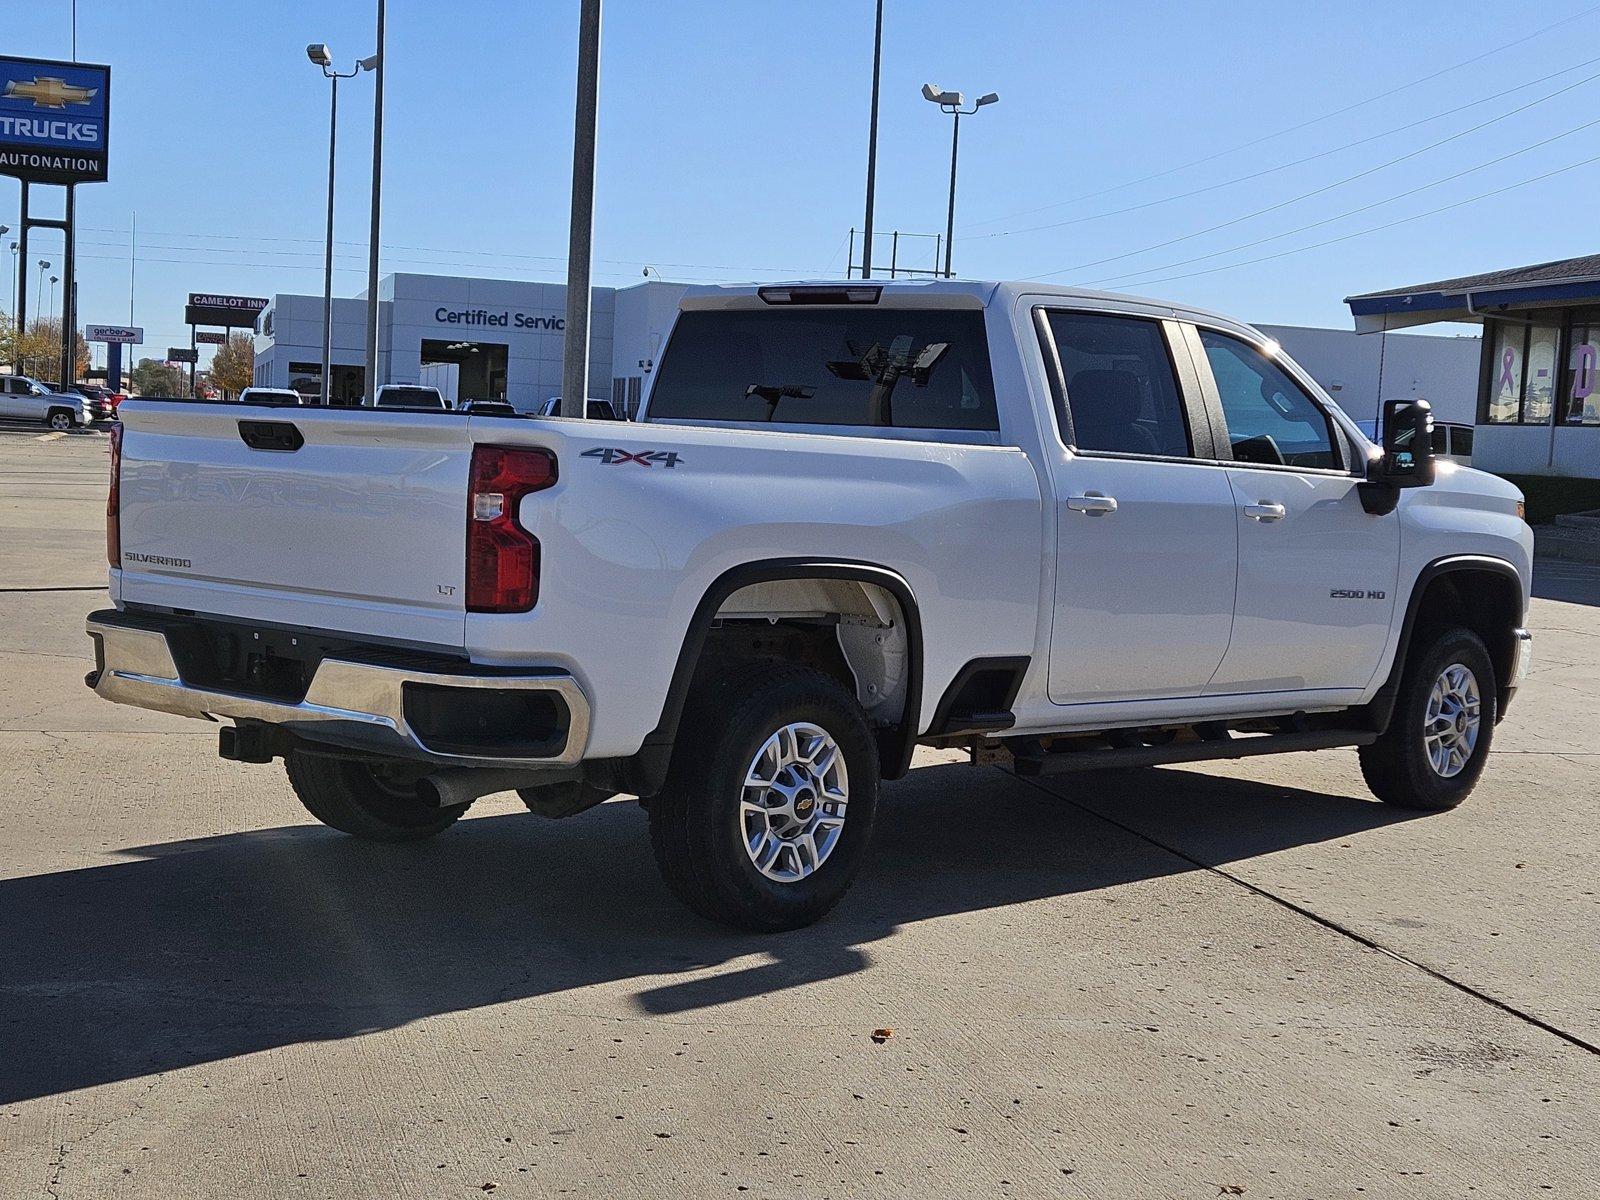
29,400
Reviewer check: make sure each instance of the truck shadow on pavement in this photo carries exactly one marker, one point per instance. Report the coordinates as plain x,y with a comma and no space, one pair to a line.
202,950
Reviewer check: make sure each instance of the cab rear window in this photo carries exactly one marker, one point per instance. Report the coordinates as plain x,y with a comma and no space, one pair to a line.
906,368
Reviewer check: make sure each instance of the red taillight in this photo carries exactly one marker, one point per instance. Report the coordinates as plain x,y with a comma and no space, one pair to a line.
114,501
502,556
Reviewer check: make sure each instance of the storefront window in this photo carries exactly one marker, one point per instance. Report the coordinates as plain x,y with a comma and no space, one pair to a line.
1505,380
1583,375
1541,377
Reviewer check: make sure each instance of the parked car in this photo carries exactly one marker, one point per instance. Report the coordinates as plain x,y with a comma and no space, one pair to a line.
1062,530
595,409
29,400
101,399
270,395
409,395
1452,442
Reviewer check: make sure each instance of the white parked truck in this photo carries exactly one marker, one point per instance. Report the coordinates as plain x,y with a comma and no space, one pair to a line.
1065,530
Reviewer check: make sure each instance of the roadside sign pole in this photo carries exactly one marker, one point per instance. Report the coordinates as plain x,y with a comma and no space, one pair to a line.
193,357
580,241
22,275
69,308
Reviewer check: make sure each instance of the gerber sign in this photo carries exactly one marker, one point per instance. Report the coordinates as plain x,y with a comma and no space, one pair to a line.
53,118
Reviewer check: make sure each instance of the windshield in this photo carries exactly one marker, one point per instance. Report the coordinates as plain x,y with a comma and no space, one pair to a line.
411,397
850,365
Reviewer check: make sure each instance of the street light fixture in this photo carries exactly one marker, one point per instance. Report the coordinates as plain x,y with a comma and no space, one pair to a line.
321,56
954,103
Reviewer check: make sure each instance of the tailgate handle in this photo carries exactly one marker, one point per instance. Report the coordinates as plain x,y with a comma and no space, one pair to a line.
271,435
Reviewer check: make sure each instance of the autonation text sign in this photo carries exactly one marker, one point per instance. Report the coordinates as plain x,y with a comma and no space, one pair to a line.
53,120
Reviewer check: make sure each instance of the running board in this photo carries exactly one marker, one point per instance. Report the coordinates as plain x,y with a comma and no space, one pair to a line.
1064,761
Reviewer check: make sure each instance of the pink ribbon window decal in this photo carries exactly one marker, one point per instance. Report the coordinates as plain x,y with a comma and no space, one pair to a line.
1508,380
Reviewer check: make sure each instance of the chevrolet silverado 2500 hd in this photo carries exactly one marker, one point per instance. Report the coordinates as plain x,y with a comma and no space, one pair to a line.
1062,529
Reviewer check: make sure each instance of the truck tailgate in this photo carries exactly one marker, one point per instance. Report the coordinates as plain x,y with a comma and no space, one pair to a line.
360,527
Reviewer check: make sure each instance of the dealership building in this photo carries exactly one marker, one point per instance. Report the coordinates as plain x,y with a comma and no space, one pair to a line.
501,339
480,339
1538,381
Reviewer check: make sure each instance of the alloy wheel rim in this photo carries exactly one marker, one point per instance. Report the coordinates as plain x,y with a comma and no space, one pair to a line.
1453,720
792,807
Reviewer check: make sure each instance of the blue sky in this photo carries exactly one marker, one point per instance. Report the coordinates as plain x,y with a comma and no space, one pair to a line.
733,143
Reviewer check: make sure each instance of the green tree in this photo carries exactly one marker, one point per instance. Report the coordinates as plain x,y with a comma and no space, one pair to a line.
233,367
38,352
8,339
155,378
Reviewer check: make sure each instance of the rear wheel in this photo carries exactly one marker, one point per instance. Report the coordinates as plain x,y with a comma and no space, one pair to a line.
377,802
1438,738
770,802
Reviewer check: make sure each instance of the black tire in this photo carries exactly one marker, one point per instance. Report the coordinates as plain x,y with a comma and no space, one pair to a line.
1397,767
373,803
696,826
59,419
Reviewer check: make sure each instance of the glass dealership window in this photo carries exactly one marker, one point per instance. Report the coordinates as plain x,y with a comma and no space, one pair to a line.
1583,374
1508,357
1539,399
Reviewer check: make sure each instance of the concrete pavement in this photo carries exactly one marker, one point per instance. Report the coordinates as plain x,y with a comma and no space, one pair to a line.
1248,979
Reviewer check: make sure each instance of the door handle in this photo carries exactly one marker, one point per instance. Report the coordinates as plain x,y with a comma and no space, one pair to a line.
1092,504
1265,511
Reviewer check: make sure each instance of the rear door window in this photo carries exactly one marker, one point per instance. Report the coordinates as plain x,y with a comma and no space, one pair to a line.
1121,391
852,365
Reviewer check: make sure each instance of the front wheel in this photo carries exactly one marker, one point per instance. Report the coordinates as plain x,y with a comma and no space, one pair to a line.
373,801
769,805
60,420
1438,738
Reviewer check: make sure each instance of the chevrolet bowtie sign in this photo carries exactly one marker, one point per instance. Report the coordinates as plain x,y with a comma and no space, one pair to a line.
53,119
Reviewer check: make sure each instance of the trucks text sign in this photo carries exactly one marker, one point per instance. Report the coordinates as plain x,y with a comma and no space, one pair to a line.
53,120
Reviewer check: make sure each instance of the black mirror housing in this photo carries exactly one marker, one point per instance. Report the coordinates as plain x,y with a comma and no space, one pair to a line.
1407,458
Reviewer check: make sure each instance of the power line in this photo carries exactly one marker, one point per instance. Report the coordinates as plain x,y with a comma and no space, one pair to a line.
1327,187
1327,116
1298,162
1133,275
1432,212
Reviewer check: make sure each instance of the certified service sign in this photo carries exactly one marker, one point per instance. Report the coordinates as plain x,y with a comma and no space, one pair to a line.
53,120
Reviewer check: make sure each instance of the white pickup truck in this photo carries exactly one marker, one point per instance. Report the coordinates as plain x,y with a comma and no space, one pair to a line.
1062,529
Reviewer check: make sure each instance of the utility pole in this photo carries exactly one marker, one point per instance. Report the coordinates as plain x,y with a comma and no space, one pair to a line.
382,56
580,242
872,145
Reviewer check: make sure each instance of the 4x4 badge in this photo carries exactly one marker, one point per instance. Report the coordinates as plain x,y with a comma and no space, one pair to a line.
615,456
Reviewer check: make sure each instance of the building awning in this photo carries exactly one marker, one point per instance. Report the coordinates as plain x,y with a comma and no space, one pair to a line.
1560,284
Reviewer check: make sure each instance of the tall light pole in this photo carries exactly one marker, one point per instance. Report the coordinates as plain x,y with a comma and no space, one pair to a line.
380,65
872,149
50,304
953,103
580,238
43,267
320,55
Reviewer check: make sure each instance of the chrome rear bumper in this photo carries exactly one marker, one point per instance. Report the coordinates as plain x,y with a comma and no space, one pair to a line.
356,704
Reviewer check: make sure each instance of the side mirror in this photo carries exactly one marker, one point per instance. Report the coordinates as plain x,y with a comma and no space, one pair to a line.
1407,445
1407,458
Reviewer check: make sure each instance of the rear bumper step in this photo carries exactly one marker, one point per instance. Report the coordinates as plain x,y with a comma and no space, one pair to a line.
1064,761
385,709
